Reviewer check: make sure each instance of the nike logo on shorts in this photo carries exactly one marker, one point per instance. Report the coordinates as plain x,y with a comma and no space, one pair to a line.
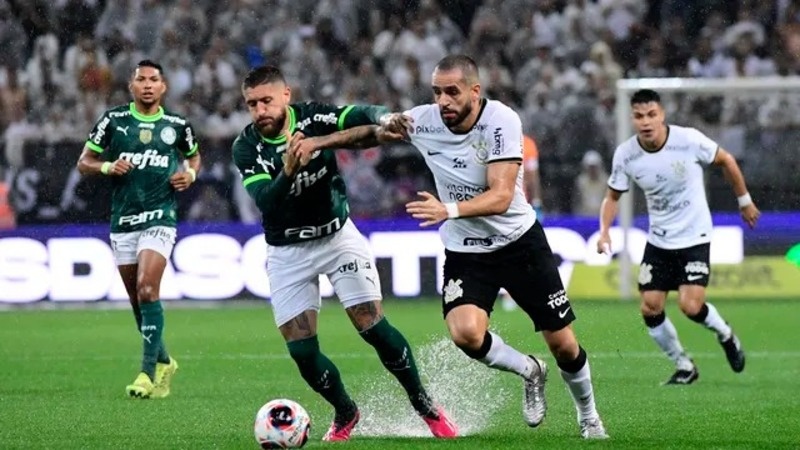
562,314
694,277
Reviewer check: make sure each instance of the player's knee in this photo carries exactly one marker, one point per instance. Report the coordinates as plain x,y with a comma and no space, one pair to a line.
468,338
651,307
146,291
562,344
691,306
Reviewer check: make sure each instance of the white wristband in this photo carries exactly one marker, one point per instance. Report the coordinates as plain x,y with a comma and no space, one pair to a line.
193,173
452,210
744,200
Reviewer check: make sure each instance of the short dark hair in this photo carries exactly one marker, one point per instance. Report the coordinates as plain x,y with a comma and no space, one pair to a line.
262,75
467,65
645,96
150,63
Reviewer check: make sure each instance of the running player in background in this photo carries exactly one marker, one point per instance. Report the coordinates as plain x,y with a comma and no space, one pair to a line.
473,147
304,205
533,193
139,146
666,162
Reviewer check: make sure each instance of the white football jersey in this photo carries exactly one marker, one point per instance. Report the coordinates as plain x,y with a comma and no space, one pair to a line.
672,181
459,166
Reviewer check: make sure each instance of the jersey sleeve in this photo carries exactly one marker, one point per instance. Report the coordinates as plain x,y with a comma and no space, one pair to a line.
706,147
331,118
100,136
619,180
267,189
188,144
504,134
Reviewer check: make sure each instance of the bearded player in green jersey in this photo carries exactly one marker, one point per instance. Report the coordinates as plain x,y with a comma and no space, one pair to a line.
305,218
139,147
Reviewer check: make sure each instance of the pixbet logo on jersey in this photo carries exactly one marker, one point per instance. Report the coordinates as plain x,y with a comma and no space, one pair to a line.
148,158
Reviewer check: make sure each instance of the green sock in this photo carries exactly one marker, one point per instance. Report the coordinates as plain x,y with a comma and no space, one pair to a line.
152,327
163,356
321,374
396,356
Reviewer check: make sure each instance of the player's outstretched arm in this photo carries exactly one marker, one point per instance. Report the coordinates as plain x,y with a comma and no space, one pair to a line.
303,147
733,174
90,163
608,211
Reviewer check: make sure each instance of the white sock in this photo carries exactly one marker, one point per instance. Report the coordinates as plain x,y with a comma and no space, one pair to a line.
715,322
580,388
505,357
666,337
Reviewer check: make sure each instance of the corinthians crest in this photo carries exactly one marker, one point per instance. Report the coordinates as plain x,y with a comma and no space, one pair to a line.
145,136
679,167
481,147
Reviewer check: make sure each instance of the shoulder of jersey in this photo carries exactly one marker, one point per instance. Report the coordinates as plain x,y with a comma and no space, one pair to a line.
176,116
500,109
423,111
684,131
246,135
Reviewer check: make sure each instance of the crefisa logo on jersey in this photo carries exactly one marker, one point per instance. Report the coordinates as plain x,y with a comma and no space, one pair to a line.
168,135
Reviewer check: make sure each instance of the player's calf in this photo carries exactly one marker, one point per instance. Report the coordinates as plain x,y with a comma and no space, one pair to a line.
321,375
396,356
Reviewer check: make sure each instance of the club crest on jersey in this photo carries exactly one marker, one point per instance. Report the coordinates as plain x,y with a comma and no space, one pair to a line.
481,147
168,135
680,169
145,136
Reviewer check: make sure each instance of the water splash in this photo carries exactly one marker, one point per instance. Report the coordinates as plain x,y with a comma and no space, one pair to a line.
469,391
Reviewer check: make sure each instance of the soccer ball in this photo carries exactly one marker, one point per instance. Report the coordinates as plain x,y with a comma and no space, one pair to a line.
282,424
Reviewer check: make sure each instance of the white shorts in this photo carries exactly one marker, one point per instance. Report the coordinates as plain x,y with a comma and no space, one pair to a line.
126,246
294,270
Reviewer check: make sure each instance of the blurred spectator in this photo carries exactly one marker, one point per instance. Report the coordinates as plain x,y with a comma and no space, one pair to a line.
555,61
590,186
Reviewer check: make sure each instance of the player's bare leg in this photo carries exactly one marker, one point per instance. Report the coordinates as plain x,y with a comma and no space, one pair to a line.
469,329
396,356
663,332
691,299
321,374
576,373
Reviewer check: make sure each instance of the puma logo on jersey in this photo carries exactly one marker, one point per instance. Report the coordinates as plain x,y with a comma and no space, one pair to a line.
123,130
150,158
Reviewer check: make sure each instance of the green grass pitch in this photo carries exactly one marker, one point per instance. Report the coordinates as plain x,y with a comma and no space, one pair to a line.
63,373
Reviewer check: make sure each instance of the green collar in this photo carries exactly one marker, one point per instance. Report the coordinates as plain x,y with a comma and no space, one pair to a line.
151,118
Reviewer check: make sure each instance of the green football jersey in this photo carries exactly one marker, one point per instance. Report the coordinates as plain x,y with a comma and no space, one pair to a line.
314,203
154,144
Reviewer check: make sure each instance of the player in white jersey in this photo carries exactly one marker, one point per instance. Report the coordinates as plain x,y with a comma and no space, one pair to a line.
666,162
492,239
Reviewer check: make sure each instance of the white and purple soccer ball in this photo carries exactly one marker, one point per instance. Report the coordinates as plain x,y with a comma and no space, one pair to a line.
282,423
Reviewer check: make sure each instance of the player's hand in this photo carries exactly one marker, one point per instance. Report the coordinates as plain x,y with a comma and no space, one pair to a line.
385,136
604,244
430,209
120,167
396,126
291,162
304,148
180,181
750,214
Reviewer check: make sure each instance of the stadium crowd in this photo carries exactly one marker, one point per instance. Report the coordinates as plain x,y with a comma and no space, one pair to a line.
555,61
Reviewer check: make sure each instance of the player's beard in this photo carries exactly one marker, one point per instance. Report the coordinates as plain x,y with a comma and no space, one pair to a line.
456,121
271,130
